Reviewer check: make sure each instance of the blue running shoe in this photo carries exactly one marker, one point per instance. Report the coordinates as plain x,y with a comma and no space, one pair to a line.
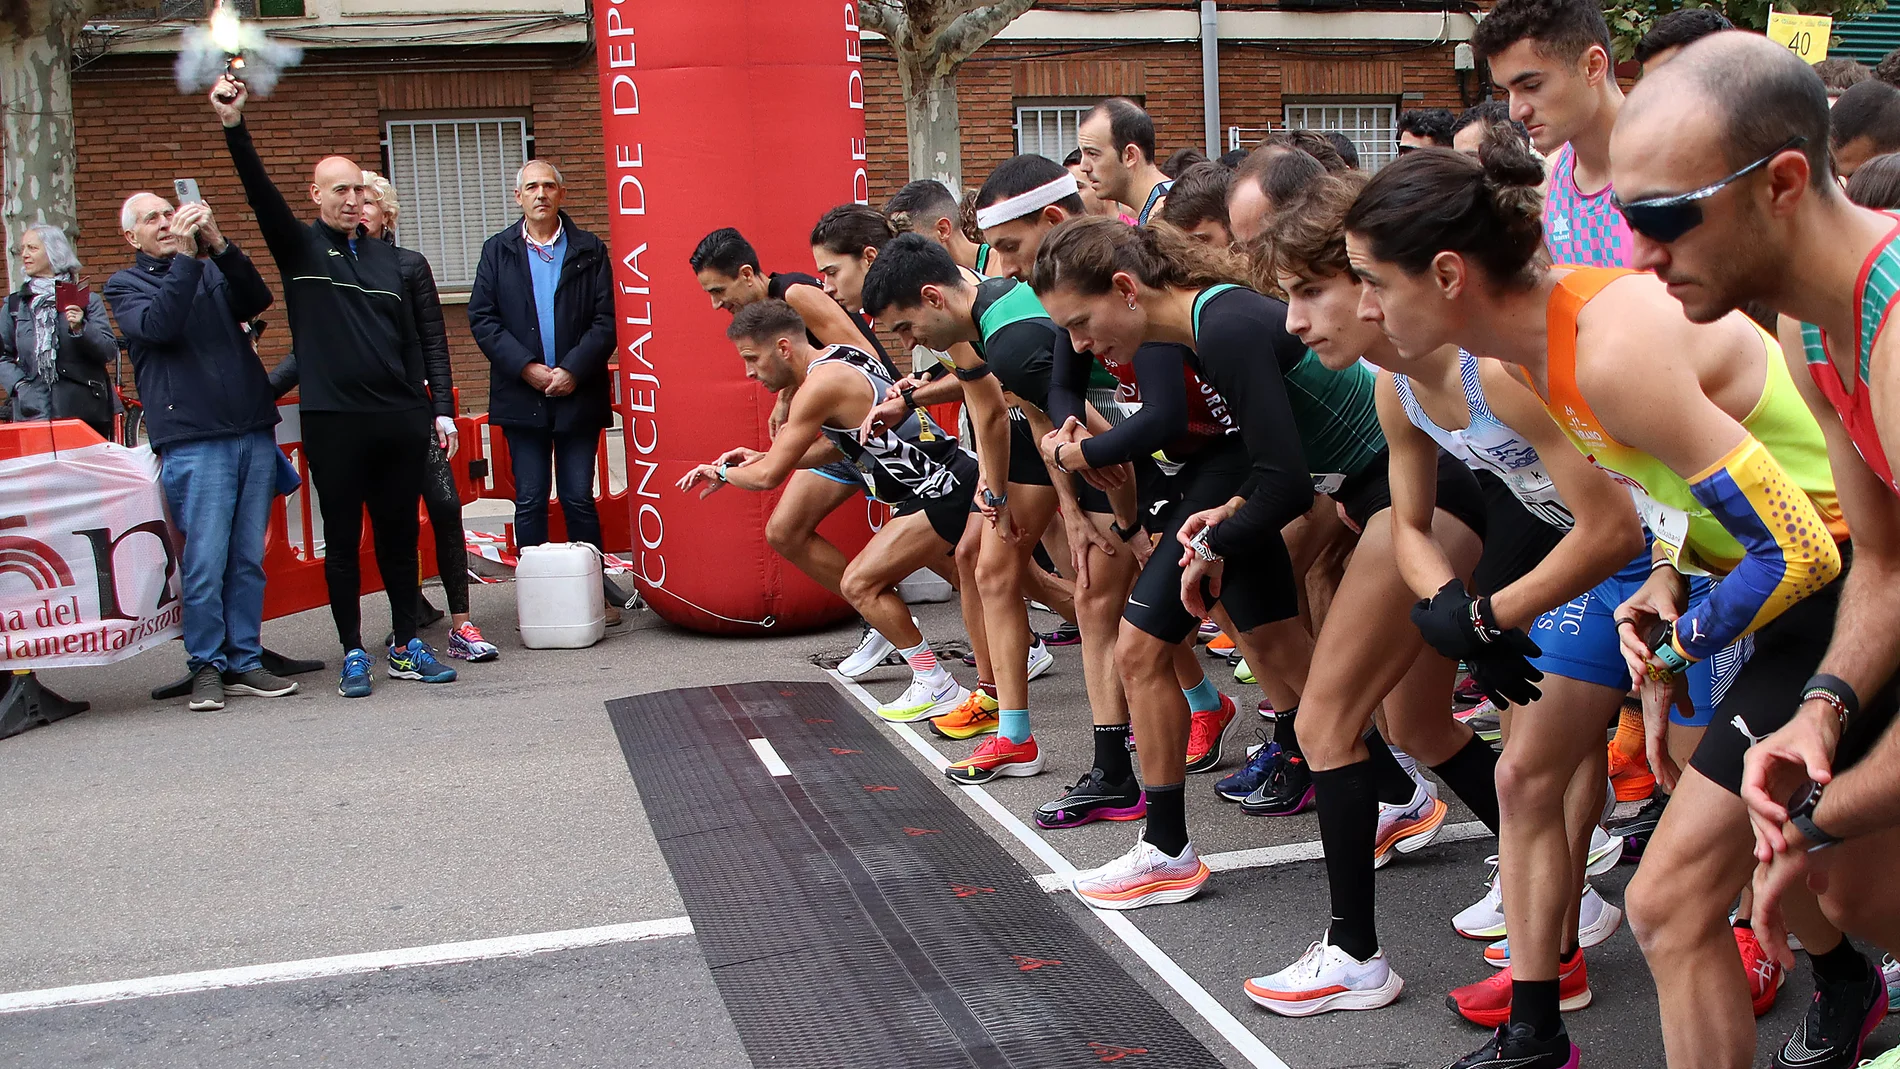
356,681
417,661
1251,775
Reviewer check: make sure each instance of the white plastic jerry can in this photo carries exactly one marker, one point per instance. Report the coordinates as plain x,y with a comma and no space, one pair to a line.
558,596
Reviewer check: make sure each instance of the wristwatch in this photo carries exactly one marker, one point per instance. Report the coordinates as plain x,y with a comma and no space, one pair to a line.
1662,644
909,393
994,501
1126,534
1801,814
1200,547
720,472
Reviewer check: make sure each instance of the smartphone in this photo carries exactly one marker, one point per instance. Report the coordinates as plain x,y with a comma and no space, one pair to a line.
187,190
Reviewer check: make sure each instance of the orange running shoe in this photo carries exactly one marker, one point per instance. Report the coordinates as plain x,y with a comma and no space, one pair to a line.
976,716
1204,736
997,756
1222,646
1630,775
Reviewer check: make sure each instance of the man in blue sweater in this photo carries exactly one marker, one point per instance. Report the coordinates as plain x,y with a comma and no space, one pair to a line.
209,413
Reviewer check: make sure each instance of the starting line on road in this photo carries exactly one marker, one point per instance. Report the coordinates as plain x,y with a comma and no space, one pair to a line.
513,946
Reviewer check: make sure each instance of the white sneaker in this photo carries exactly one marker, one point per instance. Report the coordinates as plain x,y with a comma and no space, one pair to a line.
873,647
923,700
1327,978
1040,659
1605,851
1144,876
1484,919
1597,920
1408,828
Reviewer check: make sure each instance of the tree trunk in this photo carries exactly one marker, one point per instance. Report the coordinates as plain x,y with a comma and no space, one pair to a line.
930,119
36,81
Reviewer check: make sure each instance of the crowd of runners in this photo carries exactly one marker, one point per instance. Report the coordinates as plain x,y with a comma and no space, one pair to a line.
1562,431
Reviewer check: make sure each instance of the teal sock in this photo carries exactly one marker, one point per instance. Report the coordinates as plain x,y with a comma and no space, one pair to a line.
1013,724
1203,697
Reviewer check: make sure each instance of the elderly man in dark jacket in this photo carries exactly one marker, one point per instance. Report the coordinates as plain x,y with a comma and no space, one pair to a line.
542,310
209,414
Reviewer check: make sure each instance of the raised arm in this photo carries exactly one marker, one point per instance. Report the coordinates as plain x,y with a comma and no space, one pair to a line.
283,232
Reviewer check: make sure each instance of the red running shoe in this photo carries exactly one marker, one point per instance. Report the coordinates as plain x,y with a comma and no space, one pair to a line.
1204,736
1765,974
1488,1002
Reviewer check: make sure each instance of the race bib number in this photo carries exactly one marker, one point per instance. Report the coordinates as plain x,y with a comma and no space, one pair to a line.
1669,525
1328,483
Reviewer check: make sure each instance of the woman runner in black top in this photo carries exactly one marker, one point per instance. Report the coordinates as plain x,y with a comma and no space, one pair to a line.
1224,415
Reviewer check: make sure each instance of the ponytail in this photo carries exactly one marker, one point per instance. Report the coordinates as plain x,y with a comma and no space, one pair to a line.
1436,200
1086,253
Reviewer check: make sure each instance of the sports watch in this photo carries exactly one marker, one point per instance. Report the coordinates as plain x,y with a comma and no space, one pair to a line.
1801,807
994,501
1662,645
1126,534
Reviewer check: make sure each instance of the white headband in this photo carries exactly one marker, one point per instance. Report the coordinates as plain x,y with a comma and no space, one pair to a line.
1023,203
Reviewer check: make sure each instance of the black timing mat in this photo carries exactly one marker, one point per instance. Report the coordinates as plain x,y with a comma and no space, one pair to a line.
851,914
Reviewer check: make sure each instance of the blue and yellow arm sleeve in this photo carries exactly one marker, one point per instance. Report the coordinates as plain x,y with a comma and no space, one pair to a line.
1789,552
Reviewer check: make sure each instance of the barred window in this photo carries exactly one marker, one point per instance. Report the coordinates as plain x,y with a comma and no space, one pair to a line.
455,180
1373,128
1049,130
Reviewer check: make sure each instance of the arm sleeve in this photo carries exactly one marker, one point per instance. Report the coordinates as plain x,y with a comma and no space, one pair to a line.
158,318
1068,379
1278,489
503,349
595,345
249,294
1162,372
1020,356
1790,553
283,233
432,335
283,377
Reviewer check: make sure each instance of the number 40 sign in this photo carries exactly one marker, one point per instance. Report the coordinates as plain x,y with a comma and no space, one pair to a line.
1804,35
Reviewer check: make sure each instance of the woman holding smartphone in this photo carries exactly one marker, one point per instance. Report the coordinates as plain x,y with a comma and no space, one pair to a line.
56,344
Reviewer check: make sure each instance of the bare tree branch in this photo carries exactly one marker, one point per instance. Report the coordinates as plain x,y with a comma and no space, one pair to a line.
973,29
884,16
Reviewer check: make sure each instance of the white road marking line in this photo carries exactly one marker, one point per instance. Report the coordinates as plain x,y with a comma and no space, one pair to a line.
1190,990
769,757
1262,857
513,946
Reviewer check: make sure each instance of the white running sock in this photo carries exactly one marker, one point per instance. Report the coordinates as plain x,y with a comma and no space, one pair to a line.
923,665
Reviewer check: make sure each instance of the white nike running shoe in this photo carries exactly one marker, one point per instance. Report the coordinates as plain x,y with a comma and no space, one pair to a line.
1484,919
1144,876
1040,659
1605,851
921,700
1327,978
872,649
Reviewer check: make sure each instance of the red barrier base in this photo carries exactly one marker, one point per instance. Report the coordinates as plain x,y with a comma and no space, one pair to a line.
27,704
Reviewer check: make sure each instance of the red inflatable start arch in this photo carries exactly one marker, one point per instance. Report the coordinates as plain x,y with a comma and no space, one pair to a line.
746,113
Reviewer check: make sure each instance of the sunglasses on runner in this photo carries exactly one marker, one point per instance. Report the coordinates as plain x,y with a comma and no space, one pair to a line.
1664,219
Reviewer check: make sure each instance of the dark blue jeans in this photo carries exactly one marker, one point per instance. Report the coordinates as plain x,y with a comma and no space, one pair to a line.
220,490
571,459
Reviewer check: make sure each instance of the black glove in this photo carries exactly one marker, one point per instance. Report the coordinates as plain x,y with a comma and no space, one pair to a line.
1456,624
1507,676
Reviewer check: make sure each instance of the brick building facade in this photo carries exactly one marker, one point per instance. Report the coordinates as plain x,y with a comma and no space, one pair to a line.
136,132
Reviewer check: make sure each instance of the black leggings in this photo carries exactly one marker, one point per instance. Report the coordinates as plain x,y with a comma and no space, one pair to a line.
445,515
374,461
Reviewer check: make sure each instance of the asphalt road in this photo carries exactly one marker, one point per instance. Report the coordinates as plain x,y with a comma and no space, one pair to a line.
142,840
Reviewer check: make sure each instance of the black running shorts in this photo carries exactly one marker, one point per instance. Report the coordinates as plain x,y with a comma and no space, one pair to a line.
1515,540
1257,588
1369,493
950,514
1767,690
1025,461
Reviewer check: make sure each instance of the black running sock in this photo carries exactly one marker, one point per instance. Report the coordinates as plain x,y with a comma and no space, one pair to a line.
1348,826
1395,786
1535,1003
1842,965
1167,818
1111,752
1472,775
1283,730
